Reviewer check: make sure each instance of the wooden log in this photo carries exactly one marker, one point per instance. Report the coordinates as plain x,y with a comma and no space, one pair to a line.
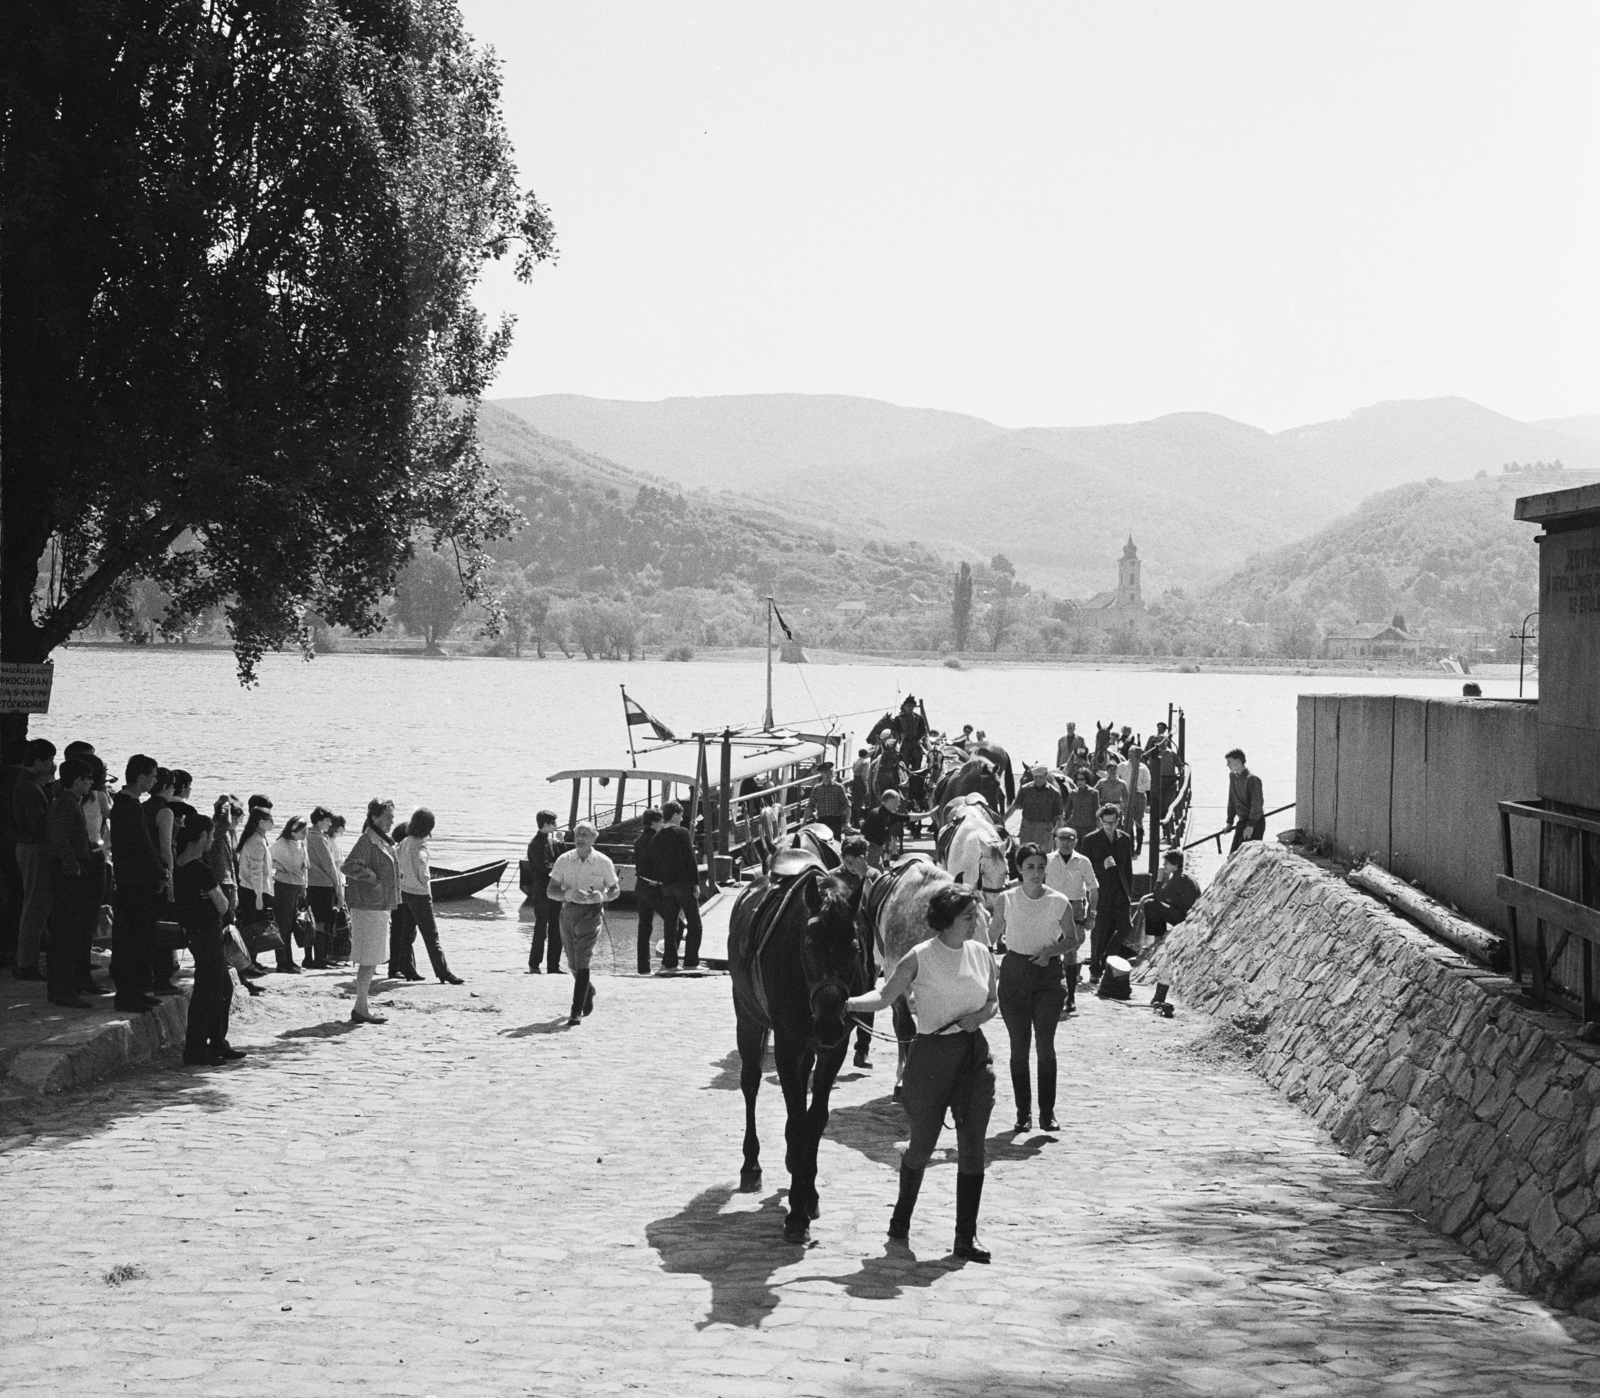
1477,942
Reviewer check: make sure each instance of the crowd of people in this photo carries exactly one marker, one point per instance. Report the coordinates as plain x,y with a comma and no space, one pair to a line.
86,857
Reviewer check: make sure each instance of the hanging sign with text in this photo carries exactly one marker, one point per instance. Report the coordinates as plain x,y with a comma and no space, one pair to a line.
24,688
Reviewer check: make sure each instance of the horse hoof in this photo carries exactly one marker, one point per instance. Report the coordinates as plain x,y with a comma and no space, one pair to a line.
796,1229
815,1211
749,1180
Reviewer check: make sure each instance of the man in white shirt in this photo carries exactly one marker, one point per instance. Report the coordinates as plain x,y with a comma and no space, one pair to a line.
583,880
1071,873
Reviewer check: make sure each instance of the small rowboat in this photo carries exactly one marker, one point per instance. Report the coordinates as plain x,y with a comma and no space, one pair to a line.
449,884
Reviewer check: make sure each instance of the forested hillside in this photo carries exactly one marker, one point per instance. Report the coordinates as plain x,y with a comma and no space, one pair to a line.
1445,554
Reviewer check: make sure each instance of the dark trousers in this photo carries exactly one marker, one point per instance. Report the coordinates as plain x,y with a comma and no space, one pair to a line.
1113,925
647,896
286,900
546,931
834,823
402,941
420,906
74,905
210,1002
680,903
132,941
1031,998
319,898
1245,831
864,1023
948,1071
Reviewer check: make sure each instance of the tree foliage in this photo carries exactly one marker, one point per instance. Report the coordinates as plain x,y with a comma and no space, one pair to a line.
428,600
241,355
961,606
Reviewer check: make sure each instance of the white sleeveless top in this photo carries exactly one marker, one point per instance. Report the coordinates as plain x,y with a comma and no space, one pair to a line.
950,982
1032,924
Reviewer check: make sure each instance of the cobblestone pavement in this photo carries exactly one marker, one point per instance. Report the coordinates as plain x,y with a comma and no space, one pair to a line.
474,1199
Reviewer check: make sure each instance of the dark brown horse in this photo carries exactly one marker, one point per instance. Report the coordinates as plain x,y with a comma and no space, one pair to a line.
975,776
794,960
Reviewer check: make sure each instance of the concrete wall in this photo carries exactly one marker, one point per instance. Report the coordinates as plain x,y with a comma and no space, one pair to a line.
1413,784
1483,1116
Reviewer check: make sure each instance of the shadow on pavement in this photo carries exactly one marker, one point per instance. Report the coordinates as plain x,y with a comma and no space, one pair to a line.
329,1029
550,1026
737,1253
887,1277
876,1129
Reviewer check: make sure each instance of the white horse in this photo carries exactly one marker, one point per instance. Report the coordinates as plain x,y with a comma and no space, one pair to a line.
976,851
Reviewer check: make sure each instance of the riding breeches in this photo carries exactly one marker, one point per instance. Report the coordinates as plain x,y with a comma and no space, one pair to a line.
948,1072
1031,998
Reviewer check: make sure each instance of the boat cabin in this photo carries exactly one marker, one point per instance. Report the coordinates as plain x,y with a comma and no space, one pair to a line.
741,789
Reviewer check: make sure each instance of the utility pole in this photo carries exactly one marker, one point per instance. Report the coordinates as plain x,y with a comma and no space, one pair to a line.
1522,638
766,721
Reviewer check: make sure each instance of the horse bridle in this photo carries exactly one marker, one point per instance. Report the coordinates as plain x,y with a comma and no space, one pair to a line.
819,981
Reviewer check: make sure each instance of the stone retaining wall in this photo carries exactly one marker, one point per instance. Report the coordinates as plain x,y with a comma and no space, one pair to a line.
1482,1115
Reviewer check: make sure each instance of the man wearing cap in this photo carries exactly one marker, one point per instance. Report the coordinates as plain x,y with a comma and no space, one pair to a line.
1042,806
828,802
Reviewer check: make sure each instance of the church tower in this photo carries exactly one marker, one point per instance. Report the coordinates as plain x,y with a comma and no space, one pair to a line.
1129,593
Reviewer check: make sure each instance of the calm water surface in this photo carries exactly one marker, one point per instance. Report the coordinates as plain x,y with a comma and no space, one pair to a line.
476,739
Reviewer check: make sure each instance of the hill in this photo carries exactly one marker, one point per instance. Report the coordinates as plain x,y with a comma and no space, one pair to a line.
1447,555
1199,492
695,565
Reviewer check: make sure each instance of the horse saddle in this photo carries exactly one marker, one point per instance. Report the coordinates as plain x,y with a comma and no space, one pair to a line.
788,872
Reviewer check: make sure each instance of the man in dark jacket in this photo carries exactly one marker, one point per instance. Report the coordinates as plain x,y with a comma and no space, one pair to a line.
543,850
30,813
1245,801
647,888
1174,895
139,878
1111,852
75,885
672,855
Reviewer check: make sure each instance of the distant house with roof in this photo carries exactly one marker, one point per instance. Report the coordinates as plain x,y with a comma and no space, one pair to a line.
1120,608
1374,640
852,609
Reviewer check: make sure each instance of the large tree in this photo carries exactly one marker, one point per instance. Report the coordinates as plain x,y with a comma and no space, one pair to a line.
240,354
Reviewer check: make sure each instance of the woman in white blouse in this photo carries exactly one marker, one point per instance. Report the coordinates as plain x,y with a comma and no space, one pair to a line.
255,872
289,888
1036,926
416,890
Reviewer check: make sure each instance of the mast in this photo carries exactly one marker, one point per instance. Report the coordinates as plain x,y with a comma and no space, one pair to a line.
766,721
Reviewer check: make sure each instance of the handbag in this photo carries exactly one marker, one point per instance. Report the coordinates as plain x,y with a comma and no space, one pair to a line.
262,936
170,936
234,951
305,929
339,936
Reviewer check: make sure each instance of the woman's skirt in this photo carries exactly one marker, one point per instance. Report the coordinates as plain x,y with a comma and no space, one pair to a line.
369,936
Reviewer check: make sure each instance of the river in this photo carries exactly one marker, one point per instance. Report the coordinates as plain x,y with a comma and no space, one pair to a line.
475,739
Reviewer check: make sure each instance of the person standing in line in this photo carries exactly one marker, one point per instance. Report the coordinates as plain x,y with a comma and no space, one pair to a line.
372,889
1040,801
255,874
402,926
161,820
1112,791
322,883
680,889
74,893
543,849
416,890
97,819
289,889
222,858
30,824
137,871
1110,851
1083,805
855,870
949,1067
1246,801
10,873
202,906
828,802
339,937
585,881
1072,876
859,771
647,889
1039,932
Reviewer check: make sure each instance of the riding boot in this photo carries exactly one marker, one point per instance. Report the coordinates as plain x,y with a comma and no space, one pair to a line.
969,1193
910,1185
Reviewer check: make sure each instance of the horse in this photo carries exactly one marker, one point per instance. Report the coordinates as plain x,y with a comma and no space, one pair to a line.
974,777
1003,769
817,839
974,847
896,912
1103,734
794,960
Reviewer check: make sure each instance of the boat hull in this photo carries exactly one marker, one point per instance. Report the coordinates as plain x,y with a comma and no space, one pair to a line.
448,885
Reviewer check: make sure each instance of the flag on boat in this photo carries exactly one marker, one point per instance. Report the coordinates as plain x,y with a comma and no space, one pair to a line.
637,715
781,622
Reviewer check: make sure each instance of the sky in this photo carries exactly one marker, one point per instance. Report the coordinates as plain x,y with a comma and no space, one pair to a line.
1056,214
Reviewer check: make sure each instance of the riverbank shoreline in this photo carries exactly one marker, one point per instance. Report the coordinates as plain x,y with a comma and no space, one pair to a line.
1166,664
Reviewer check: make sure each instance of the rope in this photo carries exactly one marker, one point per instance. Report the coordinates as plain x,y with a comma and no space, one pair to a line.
876,1033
